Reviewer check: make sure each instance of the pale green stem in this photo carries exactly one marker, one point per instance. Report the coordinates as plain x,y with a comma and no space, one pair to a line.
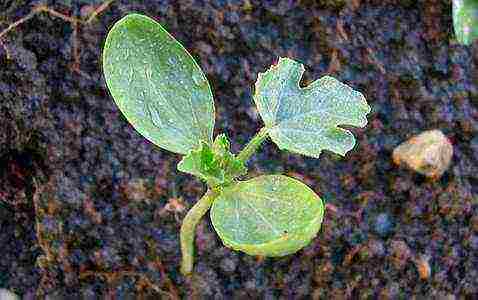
188,230
253,145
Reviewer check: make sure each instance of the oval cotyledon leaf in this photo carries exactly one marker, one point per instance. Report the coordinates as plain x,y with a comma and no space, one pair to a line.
157,85
272,215
306,120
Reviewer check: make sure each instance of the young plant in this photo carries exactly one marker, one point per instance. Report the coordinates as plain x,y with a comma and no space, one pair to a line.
164,94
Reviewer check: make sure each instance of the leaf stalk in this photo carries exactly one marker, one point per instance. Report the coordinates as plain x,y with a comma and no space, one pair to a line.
253,145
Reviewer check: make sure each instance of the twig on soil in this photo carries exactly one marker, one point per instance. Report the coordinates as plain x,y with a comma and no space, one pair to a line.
74,21
7,53
112,277
374,61
169,284
350,255
44,8
173,292
75,49
332,208
355,4
334,65
12,26
18,22
341,31
49,254
99,10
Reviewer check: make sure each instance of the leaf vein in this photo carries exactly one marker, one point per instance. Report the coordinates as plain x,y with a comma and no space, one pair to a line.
267,222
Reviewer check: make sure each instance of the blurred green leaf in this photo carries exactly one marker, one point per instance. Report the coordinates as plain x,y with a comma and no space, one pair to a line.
465,20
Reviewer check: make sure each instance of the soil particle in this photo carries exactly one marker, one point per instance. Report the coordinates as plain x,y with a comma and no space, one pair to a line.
373,249
400,253
228,265
474,223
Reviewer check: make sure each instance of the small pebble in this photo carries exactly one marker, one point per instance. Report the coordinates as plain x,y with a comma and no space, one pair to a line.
374,248
7,295
228,265
383,224
400,253
391,291
136,189
423,267
428,153
444,296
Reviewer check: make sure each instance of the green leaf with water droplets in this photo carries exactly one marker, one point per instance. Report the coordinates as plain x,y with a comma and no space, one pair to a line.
271,215
465,20
216,165
157,85
306,120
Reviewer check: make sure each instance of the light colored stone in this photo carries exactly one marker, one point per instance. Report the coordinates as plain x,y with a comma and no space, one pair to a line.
7,295
428,153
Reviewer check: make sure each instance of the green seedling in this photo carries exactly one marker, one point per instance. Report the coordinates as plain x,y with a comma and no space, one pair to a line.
465,20
163,93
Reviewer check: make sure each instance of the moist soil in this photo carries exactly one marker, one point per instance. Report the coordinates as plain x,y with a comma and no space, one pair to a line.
89,208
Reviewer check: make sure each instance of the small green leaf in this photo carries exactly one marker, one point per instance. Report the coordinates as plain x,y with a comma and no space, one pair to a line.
465,20
216,165
306,120
157,85
221,144
204,164
269,215
232,167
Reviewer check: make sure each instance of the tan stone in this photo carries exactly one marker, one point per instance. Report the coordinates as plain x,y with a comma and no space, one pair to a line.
428,153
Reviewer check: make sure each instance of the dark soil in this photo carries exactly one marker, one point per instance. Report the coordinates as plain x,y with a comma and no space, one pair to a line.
99,191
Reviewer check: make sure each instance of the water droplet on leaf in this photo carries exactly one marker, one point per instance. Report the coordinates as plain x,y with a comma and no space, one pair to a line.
172,60
198,79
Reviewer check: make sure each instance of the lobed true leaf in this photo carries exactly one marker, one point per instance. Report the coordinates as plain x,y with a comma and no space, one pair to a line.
306,120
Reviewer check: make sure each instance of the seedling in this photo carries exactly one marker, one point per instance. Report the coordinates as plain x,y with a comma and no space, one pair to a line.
164,94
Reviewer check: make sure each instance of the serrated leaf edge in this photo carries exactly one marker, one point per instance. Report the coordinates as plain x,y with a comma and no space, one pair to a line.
271,128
